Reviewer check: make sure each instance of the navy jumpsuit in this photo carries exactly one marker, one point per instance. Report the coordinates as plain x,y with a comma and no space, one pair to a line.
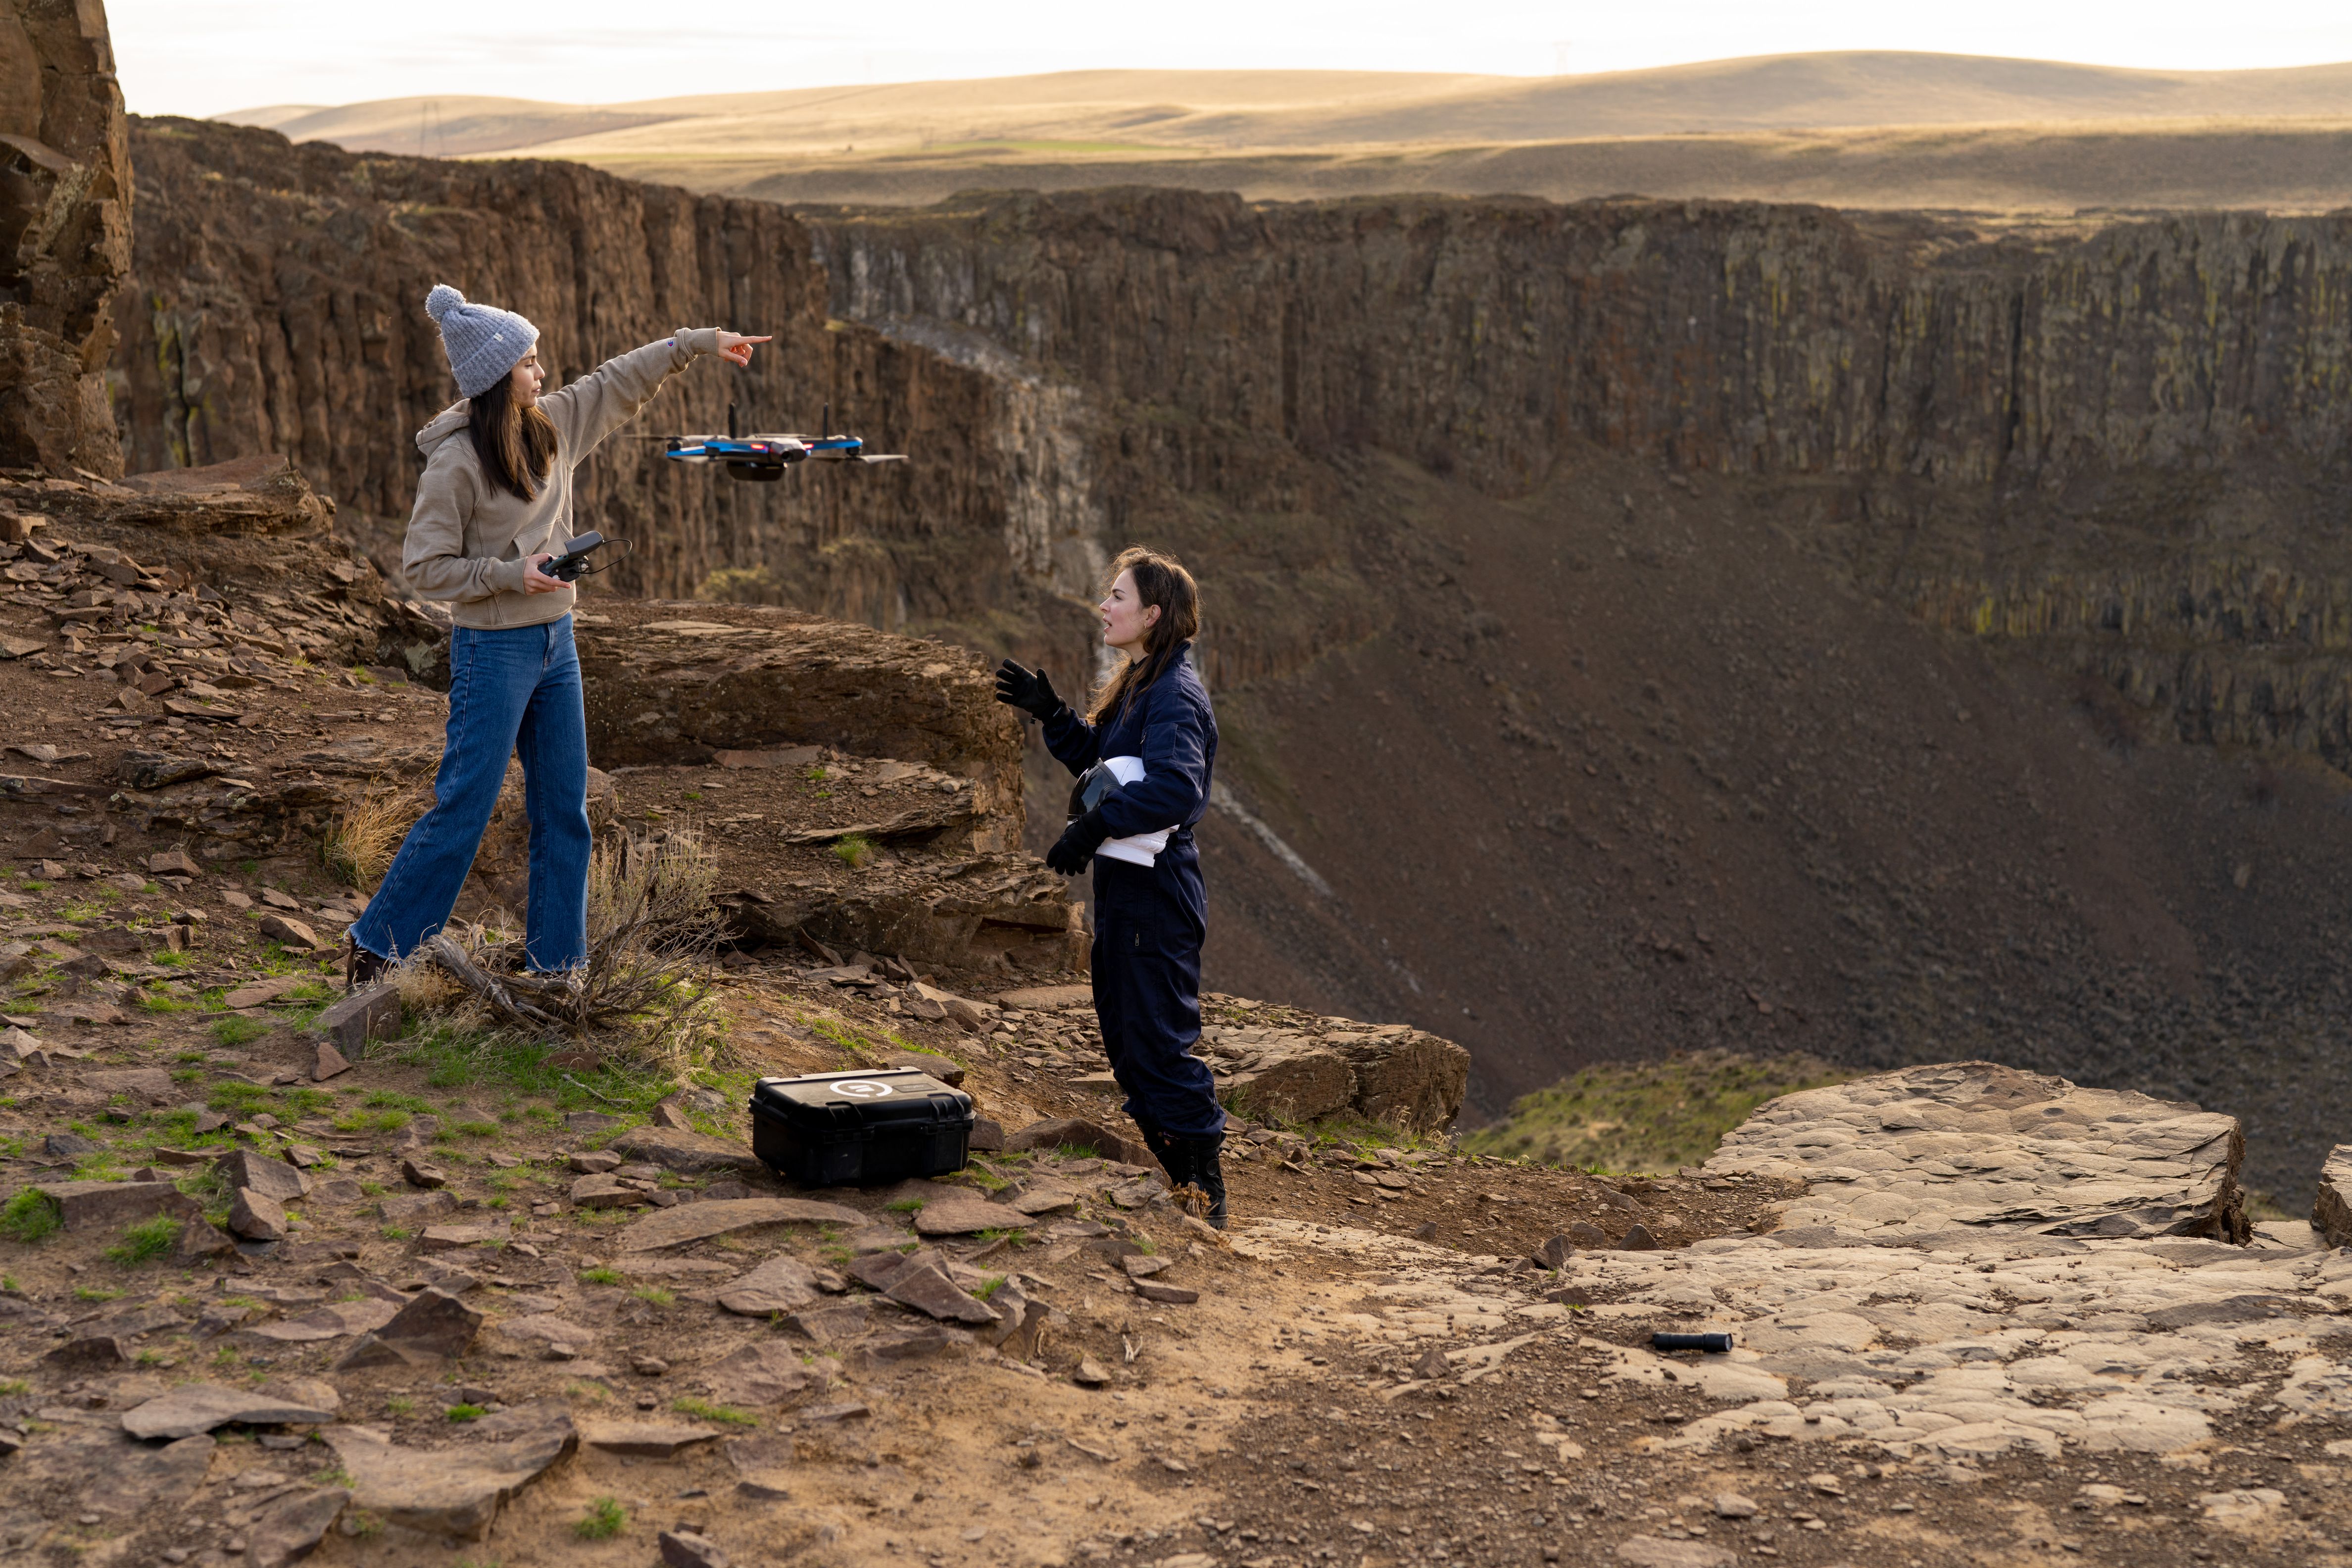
1149,919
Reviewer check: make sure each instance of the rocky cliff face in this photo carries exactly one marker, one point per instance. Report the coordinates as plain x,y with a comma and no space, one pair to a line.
2125,444
64,235
278,309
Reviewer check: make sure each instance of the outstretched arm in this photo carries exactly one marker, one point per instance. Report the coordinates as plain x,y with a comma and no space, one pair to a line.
592,407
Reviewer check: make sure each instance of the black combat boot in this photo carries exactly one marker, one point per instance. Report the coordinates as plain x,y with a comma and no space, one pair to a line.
1166,1150
362,968
1203,1170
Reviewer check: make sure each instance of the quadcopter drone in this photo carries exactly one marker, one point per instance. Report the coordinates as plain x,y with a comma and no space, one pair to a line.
765,458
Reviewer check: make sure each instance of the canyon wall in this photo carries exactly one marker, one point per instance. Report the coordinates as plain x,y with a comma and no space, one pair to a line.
64,234
278,306
2127,445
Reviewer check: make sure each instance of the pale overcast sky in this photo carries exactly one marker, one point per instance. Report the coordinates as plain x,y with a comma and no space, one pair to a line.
204,57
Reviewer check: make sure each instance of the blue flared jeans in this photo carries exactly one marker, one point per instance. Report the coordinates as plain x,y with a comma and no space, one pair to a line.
515,690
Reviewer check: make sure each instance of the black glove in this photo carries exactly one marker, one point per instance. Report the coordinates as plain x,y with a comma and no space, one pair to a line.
1027,689
1079,843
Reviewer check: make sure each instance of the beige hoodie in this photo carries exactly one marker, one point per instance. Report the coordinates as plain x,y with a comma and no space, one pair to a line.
467,538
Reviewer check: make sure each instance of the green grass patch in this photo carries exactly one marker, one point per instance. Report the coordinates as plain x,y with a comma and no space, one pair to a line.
463,1413
601,1276
656,1295
238,1098
1646,1117
605,1518
724,1415
146,1241
855,1041
853,850
463,1058
238,1031
96,1292
28,1216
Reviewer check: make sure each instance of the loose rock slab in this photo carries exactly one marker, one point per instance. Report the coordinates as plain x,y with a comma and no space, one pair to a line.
106,1206
645,1439
291,1527
195,1408
697,1222
449,1491
687,1152
108,1472
962,1215
328,1322
761,1374
927,1288
781,1284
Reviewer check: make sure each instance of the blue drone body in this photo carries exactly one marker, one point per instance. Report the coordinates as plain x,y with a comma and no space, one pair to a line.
765,458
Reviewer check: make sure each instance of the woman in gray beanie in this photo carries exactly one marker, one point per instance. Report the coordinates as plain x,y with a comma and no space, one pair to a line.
493,507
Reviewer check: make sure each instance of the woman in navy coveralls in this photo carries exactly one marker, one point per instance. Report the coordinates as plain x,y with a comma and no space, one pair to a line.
1149,920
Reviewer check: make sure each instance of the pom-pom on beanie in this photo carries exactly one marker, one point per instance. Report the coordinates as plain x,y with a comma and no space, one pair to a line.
483,341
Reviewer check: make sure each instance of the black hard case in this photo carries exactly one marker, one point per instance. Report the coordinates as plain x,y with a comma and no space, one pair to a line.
837,1129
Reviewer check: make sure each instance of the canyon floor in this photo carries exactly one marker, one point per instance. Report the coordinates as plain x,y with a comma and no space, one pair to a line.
486,1302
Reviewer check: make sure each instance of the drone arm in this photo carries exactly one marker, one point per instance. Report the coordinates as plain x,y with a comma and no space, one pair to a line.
592,407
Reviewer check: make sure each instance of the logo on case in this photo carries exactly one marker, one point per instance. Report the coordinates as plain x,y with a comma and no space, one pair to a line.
861,1088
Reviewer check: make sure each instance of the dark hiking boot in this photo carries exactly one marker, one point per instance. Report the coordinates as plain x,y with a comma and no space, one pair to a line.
361,967
1167,1151
1205,1172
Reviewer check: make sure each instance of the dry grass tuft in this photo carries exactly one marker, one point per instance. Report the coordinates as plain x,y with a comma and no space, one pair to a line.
642,996
367,832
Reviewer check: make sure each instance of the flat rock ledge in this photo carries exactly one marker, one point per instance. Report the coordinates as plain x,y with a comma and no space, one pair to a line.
1979,1145
1983,1262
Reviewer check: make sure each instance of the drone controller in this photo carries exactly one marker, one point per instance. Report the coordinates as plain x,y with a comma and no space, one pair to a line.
569,566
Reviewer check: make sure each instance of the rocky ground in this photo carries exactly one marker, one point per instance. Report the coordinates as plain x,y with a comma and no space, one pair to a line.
452,1297
511,1310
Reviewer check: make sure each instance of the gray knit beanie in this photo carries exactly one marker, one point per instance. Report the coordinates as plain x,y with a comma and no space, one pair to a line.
483,341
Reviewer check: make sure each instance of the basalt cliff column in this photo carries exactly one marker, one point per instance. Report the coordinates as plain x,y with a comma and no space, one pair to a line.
64,234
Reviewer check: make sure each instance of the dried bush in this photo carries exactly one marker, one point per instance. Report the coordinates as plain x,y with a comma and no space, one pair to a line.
652,932
367,832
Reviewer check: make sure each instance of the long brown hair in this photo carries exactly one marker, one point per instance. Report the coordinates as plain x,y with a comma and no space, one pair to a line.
1159,580
516,445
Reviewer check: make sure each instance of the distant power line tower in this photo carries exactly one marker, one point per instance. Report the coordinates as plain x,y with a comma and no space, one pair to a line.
1563,51
433,107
